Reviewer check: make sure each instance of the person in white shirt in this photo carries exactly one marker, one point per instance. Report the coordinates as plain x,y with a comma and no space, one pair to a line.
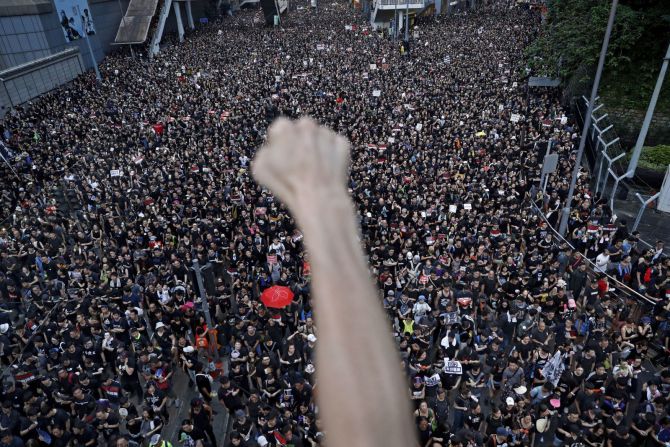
602,261
420,308
278,247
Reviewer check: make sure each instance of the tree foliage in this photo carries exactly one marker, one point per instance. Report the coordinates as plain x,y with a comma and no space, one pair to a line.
569,44
656,158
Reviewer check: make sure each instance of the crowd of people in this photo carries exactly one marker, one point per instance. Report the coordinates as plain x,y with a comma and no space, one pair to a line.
508,335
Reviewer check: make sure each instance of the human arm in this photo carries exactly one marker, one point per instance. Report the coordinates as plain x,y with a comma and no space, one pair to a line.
306,167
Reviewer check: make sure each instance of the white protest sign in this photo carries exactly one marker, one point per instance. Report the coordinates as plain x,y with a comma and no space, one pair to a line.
376,93
467,206
515,118
373,66
115,173
452,367
451,318
452,208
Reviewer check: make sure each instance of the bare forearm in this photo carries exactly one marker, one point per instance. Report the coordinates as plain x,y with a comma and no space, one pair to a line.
354,336
361,388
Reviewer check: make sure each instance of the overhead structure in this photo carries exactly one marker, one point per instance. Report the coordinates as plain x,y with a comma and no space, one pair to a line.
272,9
149,16
134,26
385,13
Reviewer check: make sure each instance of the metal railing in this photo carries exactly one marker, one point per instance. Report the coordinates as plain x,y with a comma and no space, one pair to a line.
606,157
619,289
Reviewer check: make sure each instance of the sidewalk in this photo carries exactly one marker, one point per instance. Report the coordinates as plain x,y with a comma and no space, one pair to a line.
654,225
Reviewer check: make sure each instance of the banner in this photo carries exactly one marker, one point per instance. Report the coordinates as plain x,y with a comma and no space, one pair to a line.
75,19
553,369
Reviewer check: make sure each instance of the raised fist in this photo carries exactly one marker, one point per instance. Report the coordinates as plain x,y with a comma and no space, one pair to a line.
302,163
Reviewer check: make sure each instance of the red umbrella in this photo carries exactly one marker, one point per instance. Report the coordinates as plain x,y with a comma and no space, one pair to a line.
277,297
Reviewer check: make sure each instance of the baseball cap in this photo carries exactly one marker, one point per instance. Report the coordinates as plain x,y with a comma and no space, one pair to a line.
509,401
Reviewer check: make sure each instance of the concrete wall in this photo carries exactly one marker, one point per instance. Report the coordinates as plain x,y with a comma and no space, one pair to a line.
25,82
22,39
31,31
34,55
628,122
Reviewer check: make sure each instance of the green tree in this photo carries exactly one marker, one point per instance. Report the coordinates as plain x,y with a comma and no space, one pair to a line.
568,45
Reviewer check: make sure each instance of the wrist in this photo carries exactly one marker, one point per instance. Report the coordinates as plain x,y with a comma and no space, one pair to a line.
313,204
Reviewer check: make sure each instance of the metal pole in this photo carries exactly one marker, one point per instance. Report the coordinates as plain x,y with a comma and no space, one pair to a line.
615,186
205,304
546,177
123,15
395,21
544,187
180,23
644,205
605,156
90,49
407,20
582,141
189,15
632,166
599,163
